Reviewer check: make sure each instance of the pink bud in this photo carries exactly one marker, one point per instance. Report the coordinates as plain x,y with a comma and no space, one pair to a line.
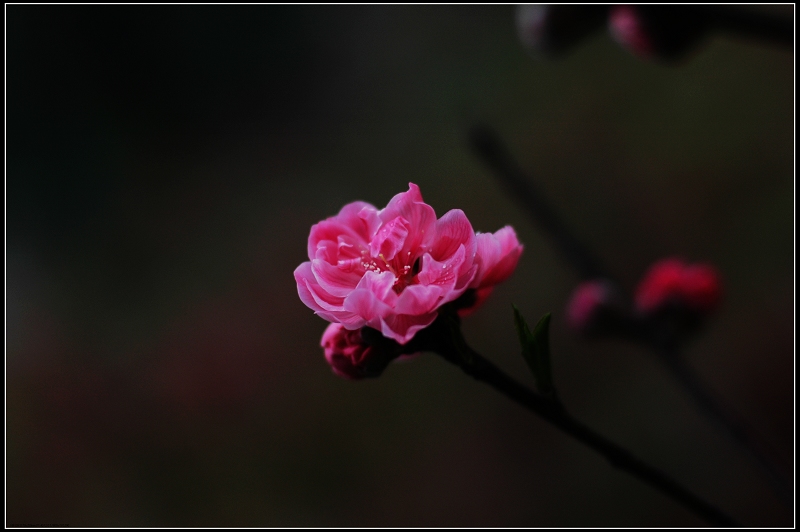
664,33
695,287
586,304
701,287
346,351
628,28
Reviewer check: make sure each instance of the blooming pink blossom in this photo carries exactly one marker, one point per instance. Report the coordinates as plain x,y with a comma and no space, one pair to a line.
391,269
672,281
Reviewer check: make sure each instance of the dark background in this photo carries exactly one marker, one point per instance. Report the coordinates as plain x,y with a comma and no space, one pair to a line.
165,164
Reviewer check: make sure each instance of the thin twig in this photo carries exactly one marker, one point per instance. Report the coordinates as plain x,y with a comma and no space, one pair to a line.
487,145
726,420
450,344
491,150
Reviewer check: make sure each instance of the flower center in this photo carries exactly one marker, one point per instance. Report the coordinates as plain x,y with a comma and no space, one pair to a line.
403,270
407,274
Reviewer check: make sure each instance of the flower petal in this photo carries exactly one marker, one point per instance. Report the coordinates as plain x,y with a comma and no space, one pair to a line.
349,320
357,221
503,269
507,238
323,300
453,230
373,298
367,305
419,299
403,327
379,284
465,277
390,239
420,216
497,256
444,273
334,280
661,282
361,217
312,294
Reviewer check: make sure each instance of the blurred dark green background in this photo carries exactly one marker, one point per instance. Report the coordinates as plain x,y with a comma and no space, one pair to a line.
164,167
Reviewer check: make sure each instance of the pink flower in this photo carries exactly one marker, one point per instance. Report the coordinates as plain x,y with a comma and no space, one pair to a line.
662,33
672,281
629,29
588,300
390,269
347,354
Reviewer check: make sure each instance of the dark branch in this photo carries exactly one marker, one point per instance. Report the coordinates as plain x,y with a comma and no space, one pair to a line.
727,420
444,338
483,370
488,147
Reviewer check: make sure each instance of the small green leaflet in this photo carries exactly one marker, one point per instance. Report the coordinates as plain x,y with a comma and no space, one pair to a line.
536,351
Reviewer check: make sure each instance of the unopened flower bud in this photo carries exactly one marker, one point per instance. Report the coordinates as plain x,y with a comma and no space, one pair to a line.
658,32
593,308
673,284
350,356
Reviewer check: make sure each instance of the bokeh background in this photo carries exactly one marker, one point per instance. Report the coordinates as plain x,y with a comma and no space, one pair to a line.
165,164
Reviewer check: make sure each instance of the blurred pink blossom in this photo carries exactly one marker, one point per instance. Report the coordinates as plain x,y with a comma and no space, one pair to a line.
587,301
628,29
672,281
392,269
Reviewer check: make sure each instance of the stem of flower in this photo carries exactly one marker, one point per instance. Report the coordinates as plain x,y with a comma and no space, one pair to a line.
459,353
735,427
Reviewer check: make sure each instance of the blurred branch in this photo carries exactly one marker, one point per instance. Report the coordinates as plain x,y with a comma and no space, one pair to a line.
726,420
490,149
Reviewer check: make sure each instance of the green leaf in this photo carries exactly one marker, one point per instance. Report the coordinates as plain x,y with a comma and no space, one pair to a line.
536,351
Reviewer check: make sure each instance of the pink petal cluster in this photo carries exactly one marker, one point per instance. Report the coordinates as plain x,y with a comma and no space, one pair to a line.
671,281
391,269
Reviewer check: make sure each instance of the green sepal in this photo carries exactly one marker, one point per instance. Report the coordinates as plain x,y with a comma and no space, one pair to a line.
536,351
